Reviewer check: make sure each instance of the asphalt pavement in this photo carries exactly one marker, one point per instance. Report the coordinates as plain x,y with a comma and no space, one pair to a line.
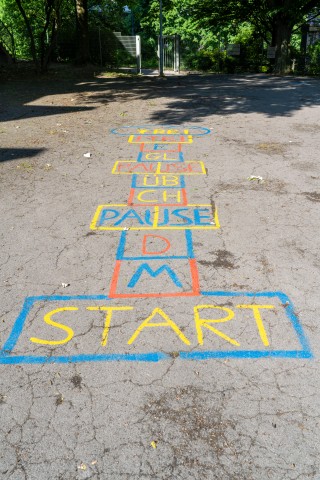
159,278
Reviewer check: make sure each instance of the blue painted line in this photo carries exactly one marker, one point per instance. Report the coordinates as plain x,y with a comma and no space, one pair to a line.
120,255
121,246
204,130
134,181
147,257
139,357
6,358
65,298
144,267
289,309
189,243
26,308
103,214
155,357
17,327
223,293
246,354
157,188
179,159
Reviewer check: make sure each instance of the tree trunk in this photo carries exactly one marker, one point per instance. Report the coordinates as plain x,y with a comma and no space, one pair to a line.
31,36
43,36
52,43
281,36
303,48
83,51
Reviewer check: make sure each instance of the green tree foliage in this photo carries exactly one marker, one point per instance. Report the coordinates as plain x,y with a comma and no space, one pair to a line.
34,26
7,39
198,42
314,58
29,29
274,20
211,24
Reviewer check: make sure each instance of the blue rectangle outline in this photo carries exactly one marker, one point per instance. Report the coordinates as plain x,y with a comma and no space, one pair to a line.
122,245
6,358
180,177
205,130
180,158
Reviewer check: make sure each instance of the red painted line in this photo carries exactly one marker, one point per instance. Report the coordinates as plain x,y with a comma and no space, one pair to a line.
131,197
144,244
157,204
184,196
155,295
195,285
149,204
194,276
115,278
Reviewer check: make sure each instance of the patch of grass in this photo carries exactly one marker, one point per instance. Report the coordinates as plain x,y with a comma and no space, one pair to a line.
25,166
271,148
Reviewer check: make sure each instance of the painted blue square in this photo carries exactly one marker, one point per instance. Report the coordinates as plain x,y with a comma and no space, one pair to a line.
138,178
7,356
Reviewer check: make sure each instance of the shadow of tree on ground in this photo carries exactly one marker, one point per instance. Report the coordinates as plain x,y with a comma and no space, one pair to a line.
189,98
7,154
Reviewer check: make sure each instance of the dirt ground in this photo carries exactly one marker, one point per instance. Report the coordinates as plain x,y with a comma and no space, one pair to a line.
92,392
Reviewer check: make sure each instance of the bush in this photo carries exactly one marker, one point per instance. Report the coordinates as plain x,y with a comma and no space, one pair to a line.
313,59
210,60
197,59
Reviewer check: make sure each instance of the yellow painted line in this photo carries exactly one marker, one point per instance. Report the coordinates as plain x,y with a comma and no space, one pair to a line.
156,217
211,227
198,205
159,167
93,224
114,205
216,218
188,162
157,142
108,319
203,168
133,160
144,206
156,211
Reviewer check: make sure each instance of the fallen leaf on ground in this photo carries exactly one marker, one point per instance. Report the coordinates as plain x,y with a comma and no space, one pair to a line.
59,399
258,178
